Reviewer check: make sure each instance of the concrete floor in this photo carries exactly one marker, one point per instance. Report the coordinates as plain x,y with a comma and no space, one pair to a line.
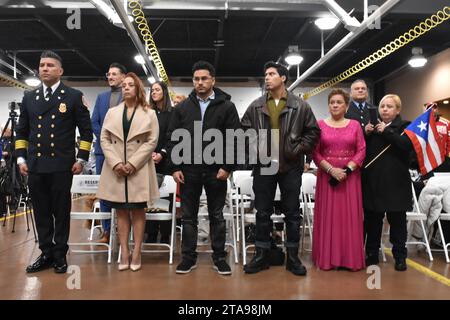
158,280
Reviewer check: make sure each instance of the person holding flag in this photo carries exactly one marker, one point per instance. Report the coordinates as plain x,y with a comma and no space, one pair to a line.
386,182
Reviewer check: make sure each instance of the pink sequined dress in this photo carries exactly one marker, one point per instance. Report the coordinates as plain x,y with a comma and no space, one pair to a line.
338,212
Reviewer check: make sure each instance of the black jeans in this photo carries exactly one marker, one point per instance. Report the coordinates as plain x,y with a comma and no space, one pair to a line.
190,191
373,224
264,187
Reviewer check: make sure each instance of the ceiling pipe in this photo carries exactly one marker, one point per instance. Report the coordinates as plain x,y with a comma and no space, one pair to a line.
345,41
118,6
350,23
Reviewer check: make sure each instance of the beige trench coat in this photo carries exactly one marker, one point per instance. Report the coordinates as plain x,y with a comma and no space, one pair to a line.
141,142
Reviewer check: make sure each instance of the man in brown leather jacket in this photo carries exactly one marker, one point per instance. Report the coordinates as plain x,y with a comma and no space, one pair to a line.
293,133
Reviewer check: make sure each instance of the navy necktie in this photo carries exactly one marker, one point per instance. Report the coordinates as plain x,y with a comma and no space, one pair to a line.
361,107
48,94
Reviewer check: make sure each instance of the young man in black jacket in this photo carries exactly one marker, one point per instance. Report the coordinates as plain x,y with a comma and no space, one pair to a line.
293,132
206,108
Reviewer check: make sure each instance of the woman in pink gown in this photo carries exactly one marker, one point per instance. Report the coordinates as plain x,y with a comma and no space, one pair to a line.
338,213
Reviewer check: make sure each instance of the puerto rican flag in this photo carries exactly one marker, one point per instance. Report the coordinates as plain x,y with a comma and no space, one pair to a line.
426,141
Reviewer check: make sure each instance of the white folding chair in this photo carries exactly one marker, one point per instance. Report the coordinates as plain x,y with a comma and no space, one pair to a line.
416,215
168,188
237,176
229,217
308,191
246,189
88,184
444,217
95,208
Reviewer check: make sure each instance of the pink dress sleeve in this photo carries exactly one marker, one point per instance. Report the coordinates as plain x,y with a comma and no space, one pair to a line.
317,155
360,148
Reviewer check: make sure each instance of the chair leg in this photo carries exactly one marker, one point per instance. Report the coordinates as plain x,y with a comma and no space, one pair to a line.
244,253
427,244
172,240
444,244
233,231
91,233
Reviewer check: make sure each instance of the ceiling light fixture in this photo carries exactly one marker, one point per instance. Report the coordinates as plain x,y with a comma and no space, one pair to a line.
326,23
151,80
293,57
417,60
32,81
139,59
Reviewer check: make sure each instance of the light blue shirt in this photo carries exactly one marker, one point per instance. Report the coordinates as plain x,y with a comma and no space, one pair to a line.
205,103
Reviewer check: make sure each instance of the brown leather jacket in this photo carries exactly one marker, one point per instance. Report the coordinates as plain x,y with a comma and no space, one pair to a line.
299,131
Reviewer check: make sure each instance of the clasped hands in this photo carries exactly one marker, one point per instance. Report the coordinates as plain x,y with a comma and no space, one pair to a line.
378,128
124,170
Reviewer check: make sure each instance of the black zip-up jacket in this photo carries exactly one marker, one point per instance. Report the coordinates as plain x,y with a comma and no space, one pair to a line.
221,114
299,131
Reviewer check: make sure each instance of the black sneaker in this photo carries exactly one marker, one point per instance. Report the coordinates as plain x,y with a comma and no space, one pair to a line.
186,266
222,267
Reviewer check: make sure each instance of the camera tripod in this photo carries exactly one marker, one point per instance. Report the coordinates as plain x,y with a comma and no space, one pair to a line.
18,191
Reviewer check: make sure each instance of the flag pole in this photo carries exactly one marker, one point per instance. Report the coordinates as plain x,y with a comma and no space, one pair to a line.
379,155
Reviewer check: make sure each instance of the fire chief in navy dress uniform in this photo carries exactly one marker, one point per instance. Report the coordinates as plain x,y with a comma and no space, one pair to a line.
45,147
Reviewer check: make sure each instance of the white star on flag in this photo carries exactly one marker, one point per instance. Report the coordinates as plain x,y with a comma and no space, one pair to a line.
422,126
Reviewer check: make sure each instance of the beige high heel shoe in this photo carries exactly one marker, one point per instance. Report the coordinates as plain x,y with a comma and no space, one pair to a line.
124,266
136,267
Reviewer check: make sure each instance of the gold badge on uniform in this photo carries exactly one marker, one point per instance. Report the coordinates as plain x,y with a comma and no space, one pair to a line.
62,108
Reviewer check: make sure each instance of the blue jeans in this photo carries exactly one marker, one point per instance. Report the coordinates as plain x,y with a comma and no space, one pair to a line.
105,206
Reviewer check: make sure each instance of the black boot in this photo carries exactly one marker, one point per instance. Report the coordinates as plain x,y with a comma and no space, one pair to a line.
293,263
259,262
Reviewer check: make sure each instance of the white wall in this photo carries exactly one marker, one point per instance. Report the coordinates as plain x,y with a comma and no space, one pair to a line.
419,86
241,96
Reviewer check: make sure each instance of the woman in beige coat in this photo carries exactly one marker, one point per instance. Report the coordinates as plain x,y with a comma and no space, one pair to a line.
128,180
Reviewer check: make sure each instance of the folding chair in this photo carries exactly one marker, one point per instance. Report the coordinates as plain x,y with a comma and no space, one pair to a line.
96,208
238,176
308,191
444,217
168,188
246,189
416,215
229,217
88,184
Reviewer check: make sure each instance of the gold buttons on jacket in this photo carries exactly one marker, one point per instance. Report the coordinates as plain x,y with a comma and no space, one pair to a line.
39,126
52,125
40,117
51,136
53,154
38,135
53,116
52,144
39,154
38,145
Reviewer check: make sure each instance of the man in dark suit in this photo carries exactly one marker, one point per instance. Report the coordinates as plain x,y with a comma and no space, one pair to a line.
359,107
45,148
106,100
